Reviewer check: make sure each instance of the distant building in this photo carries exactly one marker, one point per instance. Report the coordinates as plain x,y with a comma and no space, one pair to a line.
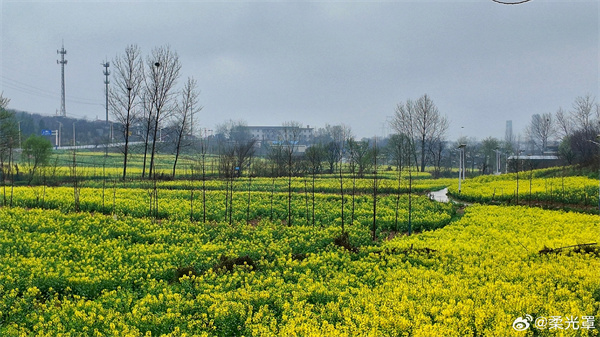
508,133
525,162
281,135
274,135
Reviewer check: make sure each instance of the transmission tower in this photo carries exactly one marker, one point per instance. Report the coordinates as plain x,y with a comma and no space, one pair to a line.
106,82
62,62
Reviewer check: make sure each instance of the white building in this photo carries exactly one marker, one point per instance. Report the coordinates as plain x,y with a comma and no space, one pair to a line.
276,134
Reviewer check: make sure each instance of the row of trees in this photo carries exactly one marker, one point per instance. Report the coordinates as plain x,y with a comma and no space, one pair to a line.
420,138
36,150
574,130
144,94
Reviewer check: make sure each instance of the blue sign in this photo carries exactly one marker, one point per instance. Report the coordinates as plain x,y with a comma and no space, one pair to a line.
46,132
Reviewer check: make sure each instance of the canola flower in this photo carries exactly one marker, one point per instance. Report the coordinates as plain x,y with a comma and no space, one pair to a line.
572,190
187,204
84,274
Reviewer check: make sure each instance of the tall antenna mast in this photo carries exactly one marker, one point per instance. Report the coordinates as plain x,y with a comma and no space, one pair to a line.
106,82
62,62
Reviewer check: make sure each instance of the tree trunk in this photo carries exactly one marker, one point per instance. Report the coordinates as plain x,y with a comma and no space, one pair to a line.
151,169
423,153
177,149
147,139
126,152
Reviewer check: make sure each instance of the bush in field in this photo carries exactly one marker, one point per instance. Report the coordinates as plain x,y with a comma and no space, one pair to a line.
36,152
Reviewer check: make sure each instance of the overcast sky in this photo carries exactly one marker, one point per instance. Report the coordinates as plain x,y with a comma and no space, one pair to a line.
321,62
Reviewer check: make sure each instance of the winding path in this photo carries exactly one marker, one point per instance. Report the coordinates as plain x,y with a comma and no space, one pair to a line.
440,195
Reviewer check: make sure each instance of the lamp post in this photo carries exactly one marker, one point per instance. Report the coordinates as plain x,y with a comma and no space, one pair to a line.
20,147
74,135
530,175
461,164
591,141
517,169
59,132
498,157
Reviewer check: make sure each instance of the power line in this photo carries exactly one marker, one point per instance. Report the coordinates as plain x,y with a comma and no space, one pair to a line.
31,87
25,86
34,91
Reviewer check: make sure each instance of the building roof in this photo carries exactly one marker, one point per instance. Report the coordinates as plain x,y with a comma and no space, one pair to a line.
536,157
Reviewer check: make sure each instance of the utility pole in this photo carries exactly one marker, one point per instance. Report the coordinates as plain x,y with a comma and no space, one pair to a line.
461,164
20,147
106,82
62,62
59,133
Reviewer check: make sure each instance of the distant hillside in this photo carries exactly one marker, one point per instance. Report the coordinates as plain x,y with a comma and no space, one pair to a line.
86,132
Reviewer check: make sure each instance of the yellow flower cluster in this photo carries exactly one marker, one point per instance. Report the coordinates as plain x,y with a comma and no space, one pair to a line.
185,204
574,190
83,274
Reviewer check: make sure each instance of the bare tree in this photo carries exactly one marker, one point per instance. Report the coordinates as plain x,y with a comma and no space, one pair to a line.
148,122
436,148
540,130
374,154
8,141
315,155
577,146
163,68
422,122
333,136
360,156
290,138
184,116
235,135
584,109
583,150
276,156
399,147
227,160
8,131
345,134
204,144
564,125
125,93
333,153
488,149
244,145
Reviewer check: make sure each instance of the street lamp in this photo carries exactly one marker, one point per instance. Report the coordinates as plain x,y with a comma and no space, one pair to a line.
591,141
530,175
59,132
498,157
461,164
74,134
519,152
20,147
